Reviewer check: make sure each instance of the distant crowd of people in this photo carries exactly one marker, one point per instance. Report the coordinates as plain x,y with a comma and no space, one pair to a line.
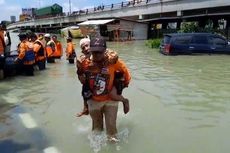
33,50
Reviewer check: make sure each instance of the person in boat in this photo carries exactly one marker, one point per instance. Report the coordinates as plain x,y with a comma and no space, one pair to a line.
7,39
101,75
82,62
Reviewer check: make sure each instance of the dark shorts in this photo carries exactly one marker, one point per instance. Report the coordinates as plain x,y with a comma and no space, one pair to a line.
86,93
2,61
41,65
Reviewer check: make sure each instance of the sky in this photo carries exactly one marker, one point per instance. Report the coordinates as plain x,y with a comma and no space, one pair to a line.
14,7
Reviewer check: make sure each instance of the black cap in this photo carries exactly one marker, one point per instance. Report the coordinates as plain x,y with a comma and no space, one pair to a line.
22,35
68,38
98,44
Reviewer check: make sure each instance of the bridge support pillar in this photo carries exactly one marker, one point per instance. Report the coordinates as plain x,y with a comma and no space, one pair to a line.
164,25
215,23
228,23
202,22
178,25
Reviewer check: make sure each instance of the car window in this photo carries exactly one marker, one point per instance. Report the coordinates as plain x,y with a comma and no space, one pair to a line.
219,41
183,40
200,40
167,39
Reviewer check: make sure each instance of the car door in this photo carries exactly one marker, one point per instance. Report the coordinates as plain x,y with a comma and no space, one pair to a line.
181,44
221,45
200,44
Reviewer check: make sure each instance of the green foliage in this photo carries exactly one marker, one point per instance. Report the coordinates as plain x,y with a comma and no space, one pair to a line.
194,27
153,43
189,27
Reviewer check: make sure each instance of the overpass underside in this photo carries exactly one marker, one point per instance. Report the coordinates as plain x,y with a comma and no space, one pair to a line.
201,16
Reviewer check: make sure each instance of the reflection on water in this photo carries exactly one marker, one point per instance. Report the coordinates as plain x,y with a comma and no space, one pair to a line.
179,104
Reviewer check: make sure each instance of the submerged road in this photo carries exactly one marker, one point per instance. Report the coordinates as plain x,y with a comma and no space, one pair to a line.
178,104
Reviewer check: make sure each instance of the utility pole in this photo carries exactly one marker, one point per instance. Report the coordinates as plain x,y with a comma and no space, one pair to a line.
69,6
39,3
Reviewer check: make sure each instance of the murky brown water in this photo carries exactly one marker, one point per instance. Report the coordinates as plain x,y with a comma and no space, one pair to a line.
179,104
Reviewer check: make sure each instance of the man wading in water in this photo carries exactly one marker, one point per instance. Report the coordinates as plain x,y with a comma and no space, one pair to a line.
101,77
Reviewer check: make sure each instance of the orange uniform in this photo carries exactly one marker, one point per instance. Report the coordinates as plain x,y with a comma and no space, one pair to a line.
82,64
101,78
2,42
69,49
39,50
26,53
58,52
50,48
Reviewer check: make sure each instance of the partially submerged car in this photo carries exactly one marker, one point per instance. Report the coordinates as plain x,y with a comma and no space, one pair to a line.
194,43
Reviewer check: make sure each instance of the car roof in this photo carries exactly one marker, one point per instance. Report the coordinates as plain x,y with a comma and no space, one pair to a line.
189,34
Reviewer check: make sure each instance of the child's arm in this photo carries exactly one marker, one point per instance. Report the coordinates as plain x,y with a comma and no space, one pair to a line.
120,66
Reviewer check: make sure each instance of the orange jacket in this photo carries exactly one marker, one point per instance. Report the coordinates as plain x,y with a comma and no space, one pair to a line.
69,49
2,42
26,53
50,48
101,79
58,52
39,51
82,64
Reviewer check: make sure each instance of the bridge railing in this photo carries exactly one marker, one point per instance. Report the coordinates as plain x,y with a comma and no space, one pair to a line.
100,8
124,4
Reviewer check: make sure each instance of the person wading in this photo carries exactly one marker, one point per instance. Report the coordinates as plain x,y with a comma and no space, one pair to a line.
101,79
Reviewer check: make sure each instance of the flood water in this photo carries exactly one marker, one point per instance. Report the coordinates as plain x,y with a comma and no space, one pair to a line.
179,104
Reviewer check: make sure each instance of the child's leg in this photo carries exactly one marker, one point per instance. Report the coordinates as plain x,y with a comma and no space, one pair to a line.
85,110
116,97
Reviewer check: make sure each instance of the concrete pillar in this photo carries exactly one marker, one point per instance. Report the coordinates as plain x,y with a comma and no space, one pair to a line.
164,25
178,25
228,23
215,23
202,22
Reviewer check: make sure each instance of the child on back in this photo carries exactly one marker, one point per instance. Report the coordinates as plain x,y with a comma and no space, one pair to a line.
82,63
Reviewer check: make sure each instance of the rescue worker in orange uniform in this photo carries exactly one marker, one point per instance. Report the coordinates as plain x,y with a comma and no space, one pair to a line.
32,37
50,48
26,54
59,51
82,62
101,81
40,54
70,51
2,52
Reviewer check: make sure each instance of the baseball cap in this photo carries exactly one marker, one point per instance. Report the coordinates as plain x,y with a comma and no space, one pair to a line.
22,35
68,38
97,44
47,35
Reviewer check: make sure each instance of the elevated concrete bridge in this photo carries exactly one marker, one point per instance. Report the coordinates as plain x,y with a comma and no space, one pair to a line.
151,11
